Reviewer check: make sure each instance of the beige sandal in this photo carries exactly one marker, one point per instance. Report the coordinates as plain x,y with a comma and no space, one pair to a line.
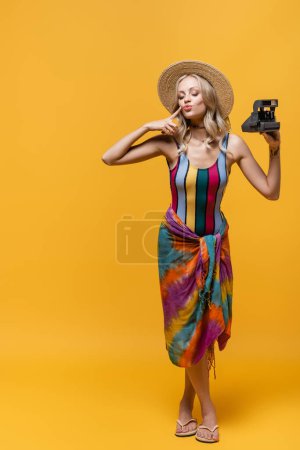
186,433
203,439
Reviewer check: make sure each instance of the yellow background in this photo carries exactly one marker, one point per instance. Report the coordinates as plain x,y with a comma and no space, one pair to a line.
83,361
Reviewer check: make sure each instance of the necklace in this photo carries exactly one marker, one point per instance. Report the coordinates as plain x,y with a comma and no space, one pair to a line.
184,146
196,126
201,140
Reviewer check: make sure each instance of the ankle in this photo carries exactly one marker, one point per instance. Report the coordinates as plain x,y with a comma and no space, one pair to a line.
209,413
209,417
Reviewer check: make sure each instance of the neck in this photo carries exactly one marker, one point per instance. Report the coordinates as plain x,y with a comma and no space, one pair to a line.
198,134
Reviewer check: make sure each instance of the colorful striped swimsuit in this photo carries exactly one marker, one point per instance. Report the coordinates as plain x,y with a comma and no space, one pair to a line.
197,193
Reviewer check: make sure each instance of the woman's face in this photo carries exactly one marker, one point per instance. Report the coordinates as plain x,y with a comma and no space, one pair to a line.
189,94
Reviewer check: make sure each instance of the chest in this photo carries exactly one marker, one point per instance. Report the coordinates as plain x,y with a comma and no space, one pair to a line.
187,177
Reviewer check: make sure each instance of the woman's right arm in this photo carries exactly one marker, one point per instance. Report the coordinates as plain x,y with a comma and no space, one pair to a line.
123,152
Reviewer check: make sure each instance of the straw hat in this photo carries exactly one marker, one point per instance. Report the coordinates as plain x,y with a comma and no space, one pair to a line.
167,83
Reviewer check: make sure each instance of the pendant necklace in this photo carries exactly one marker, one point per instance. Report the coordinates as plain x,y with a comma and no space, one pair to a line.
184,146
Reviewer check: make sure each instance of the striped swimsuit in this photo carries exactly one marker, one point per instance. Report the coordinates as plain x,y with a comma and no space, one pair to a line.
197,193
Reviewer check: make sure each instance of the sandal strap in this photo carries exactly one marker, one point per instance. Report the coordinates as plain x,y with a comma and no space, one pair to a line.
204,426
183,424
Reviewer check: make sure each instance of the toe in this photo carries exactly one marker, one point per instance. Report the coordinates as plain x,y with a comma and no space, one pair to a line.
192,426
199,433
181,429
206,434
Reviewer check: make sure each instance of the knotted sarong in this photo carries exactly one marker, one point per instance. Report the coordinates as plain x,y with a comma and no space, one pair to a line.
196,281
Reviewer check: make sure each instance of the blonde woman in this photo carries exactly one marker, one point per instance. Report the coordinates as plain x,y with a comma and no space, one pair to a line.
195,272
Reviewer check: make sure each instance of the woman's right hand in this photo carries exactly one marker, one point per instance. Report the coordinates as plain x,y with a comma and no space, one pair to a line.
166,126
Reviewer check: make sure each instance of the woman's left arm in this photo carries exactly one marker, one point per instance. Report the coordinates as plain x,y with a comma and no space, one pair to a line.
268,185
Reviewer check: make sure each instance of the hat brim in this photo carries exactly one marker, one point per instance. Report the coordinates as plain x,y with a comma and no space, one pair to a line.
167,83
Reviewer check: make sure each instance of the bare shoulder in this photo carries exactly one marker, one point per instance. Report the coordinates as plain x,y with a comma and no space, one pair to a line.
237,147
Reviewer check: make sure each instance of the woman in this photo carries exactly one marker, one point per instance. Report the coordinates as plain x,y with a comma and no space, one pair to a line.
195,270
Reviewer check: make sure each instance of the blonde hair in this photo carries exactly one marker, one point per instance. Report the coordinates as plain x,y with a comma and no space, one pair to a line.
216,127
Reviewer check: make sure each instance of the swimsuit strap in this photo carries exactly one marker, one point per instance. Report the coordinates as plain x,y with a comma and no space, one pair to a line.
176,142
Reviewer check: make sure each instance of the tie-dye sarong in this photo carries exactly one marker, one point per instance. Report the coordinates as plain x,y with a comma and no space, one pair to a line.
196,281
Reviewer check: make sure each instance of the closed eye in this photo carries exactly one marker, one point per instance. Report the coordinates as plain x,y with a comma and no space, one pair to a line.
195,95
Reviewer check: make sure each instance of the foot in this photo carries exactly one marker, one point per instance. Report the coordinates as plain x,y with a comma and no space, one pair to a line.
210,422
185,414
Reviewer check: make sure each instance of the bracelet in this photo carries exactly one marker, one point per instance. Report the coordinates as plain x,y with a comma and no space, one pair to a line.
274,151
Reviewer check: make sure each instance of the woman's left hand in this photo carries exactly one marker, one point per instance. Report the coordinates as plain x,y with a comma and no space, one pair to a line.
272,138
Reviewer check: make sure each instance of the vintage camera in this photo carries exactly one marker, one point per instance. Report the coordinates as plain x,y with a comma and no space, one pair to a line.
262,119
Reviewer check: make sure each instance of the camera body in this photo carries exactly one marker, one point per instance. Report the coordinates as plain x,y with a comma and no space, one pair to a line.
261,119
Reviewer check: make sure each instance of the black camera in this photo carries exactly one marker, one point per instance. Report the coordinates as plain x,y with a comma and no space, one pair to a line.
261,119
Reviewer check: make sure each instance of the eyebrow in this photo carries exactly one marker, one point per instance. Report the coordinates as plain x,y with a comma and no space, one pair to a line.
193,87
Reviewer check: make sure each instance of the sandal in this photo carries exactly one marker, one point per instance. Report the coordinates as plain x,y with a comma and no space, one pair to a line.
203,439
186,433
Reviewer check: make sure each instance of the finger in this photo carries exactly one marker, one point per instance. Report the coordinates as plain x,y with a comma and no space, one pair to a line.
175,113
272,132
267,135
172,124
169,128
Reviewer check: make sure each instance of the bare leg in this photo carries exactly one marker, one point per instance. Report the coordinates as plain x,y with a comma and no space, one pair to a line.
186,404
199,377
